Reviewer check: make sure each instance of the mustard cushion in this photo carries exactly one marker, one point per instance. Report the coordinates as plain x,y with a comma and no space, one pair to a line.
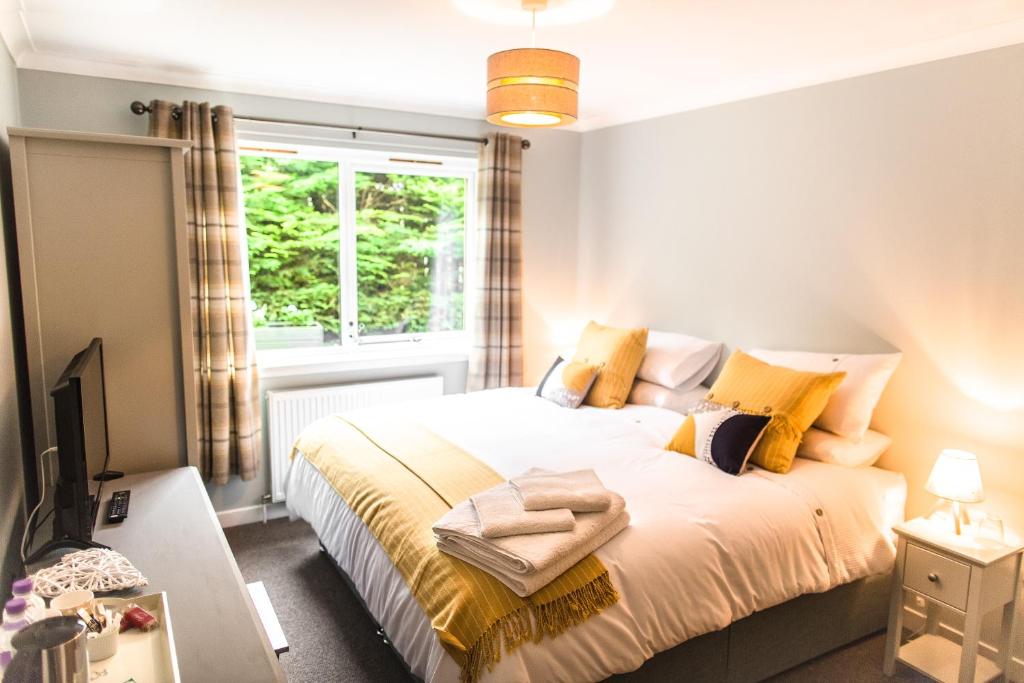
619,352
685,438
793,399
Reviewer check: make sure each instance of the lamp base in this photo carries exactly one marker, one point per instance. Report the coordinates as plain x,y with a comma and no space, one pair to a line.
951,510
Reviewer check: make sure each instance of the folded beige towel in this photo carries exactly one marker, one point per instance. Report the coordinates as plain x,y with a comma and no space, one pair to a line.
529,562
580,491
500,513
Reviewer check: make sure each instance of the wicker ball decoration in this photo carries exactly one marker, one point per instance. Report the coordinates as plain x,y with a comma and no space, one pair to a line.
97,570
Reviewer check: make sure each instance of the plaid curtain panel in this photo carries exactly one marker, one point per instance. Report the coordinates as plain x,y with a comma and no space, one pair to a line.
224,348
496,359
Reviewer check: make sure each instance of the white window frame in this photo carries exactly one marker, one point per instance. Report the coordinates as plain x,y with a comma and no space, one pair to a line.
351,161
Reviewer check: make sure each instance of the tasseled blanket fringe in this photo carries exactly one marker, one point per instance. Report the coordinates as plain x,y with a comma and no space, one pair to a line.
534,621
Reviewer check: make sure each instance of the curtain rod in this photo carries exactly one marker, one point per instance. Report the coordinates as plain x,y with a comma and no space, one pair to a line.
140,108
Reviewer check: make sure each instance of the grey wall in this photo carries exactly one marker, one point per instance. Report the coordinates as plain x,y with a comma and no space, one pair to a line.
550,196
11,486
863,215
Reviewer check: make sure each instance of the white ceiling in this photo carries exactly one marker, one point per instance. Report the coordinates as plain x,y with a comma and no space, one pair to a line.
642,59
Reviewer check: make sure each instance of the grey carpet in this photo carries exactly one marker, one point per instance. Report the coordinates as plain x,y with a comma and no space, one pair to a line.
330,636
333,639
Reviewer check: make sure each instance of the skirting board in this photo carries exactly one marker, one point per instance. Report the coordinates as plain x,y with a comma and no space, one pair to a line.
251,514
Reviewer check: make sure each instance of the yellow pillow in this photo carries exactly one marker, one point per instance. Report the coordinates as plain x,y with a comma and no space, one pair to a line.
794,399
619,353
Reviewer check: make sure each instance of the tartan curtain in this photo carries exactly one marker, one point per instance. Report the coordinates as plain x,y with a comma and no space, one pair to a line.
225,359
496,359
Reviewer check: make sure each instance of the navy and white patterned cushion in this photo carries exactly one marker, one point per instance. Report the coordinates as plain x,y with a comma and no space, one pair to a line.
726,438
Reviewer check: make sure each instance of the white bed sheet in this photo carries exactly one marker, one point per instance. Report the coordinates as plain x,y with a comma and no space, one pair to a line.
703,548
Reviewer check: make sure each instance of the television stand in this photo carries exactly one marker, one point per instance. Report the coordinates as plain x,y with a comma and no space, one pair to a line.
173,537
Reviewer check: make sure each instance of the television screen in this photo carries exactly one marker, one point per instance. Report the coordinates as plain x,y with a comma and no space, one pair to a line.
94,414
80,419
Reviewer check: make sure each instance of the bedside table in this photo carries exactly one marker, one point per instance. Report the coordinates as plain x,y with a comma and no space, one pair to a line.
964,575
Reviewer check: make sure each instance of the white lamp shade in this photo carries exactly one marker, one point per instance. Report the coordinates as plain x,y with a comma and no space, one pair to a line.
956,476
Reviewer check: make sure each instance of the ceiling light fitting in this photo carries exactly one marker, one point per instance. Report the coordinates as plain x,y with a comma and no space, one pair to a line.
532,87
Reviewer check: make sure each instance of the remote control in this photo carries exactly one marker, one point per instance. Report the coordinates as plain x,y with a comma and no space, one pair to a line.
118,509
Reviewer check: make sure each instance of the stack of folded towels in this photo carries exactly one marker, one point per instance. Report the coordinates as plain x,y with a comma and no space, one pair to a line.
528,531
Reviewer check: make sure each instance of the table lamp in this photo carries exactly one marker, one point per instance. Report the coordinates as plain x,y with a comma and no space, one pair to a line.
956,477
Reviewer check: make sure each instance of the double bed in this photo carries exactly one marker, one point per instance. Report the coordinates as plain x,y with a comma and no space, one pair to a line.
703,550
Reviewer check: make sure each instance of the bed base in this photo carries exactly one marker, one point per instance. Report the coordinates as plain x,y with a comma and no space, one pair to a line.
779,638
756,647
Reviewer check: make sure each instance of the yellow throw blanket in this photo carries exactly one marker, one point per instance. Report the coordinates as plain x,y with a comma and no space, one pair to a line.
399,477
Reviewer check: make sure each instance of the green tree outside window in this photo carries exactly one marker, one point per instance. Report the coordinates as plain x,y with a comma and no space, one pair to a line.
410,244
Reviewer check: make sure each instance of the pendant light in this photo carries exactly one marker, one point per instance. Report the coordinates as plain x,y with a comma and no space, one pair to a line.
532,87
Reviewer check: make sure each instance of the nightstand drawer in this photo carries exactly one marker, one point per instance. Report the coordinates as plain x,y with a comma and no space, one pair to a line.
937,576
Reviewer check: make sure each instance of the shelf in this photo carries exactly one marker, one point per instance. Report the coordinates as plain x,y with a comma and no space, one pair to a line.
940,658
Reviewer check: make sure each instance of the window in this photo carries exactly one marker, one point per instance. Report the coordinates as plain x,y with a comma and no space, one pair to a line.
353,247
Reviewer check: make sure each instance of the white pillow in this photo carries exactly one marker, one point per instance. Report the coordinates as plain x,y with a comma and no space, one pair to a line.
679,400
826,447
678,361
849,409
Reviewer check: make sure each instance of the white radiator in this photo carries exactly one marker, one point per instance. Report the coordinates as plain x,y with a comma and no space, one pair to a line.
288,412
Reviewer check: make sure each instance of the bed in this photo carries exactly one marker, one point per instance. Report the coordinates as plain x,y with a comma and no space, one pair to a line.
704,550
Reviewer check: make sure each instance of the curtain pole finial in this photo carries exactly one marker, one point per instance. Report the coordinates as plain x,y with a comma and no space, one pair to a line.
139,108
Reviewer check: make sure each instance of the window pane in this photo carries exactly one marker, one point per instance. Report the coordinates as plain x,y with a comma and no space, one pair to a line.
291,215
410,238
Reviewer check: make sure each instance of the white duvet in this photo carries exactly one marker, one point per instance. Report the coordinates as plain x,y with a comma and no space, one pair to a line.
703,548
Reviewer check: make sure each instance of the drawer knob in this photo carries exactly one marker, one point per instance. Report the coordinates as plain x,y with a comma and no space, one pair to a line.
933,577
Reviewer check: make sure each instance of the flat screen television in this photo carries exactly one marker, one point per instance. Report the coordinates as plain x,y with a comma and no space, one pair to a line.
80,417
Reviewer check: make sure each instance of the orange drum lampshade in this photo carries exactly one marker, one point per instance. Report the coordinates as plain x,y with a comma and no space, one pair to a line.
532,87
